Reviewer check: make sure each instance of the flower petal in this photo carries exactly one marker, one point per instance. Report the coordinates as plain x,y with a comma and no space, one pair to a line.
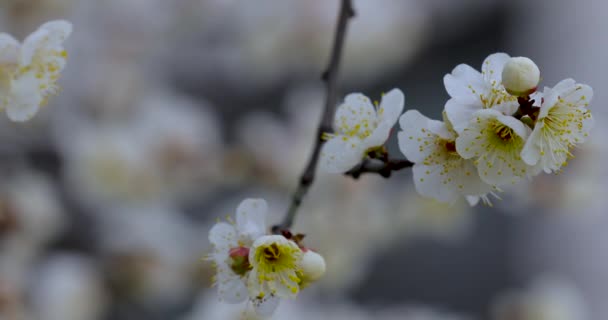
530,154
231,287
460,111
472,200
9,50
378,137
49,36
341,153
251,218
416,142
353,114
428,181
265,307
223,236
391,107
492,67
464,82
25,99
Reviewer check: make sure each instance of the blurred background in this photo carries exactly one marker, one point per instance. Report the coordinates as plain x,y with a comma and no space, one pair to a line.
172,112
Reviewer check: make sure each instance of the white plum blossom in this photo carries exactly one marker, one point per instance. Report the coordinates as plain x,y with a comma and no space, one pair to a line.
227,238
29,71
253,266
563,121
471,90
359,128
495,142
439,171
275,273
549,297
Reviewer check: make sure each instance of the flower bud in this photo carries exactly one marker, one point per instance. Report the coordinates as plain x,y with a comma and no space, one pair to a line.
520,76
313,266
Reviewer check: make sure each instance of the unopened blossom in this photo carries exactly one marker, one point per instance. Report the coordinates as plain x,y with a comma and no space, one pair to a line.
230,248
312,266
495,142
520,76
360,127
29,71
471,90
439,171
563,122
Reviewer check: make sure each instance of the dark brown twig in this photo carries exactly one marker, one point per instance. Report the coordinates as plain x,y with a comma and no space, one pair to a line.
379,166
330,77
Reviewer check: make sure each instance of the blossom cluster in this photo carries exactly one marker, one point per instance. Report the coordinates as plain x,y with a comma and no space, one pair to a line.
29,71
497,129
257,267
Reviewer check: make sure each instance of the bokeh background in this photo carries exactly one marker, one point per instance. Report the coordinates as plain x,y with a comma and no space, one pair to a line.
173,111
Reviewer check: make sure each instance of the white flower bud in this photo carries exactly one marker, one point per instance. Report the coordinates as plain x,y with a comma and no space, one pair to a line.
520,76
313,266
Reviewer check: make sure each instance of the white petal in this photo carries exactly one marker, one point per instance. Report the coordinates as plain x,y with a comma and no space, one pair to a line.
550,98
464,82
231,287
32,44
492,67
351,115
223,236
25,99
579,95
564,85
59,31
460,111
428,181
378,137
416,142
391,107
473,200
251,218
340,154
9,50
497,172
266,306
49,36
530,154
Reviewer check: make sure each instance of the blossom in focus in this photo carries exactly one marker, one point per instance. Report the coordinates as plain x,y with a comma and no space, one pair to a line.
231,242
275,263
563,121
439,171
360,127
253,266
495,142
29,71
471,91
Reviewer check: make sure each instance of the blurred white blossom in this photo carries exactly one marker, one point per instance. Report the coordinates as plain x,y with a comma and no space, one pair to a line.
68,286
29,71
547,298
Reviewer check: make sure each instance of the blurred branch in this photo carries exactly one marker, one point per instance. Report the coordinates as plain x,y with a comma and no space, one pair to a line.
330,77
383,167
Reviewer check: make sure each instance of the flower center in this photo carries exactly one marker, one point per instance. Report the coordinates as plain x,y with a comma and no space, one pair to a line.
272,253
504,133
239,260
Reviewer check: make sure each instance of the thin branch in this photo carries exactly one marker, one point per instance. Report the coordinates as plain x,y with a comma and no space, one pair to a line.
330,77
379,166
